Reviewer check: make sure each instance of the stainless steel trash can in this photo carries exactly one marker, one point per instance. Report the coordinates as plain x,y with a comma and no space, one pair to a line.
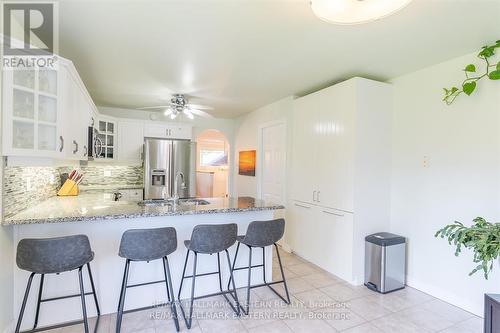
385,262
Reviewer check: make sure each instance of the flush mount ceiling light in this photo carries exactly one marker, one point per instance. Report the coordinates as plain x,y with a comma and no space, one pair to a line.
355,11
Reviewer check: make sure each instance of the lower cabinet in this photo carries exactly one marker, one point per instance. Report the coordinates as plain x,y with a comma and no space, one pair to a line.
322,236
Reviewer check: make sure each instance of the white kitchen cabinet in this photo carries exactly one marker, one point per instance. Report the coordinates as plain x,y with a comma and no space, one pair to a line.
130,140
340,166
305,152
107,128
168,130
32,119
77,109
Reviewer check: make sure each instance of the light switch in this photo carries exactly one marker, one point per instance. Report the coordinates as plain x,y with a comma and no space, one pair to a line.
425,162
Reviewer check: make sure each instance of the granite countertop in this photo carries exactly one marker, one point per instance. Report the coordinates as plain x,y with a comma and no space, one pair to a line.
100,206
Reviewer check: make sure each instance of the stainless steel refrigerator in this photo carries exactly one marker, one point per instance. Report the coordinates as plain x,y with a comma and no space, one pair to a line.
164,161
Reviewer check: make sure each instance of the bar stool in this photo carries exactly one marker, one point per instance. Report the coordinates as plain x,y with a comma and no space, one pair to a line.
209,239
147,245
262,234
54,256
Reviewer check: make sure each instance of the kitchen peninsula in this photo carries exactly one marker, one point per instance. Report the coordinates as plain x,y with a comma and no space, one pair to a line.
103,221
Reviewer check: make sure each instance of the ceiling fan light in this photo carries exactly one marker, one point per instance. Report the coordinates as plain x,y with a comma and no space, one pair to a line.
355,11
167,112
172,116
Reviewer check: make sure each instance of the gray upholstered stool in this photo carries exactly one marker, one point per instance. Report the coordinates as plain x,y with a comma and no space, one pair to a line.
262,234
209,239
53,256
147,245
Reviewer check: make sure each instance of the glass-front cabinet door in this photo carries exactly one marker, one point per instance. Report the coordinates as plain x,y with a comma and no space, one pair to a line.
32,124
107,135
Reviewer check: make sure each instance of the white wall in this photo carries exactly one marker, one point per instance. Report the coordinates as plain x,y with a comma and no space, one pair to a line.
462,145
246,134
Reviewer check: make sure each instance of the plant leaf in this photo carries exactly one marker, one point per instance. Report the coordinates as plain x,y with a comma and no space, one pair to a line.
498,66
470,68
495,75
469,87
454,90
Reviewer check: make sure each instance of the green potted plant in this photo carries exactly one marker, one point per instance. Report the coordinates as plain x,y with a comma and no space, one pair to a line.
483,238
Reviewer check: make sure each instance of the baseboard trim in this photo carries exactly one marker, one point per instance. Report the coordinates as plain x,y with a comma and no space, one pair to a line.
444,296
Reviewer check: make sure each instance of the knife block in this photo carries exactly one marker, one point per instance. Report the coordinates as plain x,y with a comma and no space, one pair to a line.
69,188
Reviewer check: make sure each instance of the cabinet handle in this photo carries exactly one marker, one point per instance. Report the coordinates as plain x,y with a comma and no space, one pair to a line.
85,149
62,143
76,147
331,213
317,197
302,206
314,196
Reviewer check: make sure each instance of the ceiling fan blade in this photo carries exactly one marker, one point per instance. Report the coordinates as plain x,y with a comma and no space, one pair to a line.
200,107
201,113
188,113
153,107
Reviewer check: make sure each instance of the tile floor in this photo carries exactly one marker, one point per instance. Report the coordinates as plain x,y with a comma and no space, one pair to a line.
320,303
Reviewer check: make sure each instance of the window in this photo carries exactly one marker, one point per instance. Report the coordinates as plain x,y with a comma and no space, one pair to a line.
213,158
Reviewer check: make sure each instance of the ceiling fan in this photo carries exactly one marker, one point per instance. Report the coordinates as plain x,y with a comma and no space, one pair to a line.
179,106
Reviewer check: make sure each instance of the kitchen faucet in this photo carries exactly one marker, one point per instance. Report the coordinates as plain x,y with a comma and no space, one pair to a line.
176,187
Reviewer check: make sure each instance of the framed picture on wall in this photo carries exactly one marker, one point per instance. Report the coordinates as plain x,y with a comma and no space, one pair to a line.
247,163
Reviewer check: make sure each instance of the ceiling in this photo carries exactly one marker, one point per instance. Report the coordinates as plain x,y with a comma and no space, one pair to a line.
238,55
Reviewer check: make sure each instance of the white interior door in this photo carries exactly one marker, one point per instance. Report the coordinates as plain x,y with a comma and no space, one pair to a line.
273,163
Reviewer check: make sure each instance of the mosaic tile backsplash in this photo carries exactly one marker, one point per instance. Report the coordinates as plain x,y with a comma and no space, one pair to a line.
27,186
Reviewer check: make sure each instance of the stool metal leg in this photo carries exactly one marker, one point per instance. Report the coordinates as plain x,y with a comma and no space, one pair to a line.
249,280
93,290
82,295
234,284
183,275
170,292
282,274
234,263
119,314
23,306
40,290
188,323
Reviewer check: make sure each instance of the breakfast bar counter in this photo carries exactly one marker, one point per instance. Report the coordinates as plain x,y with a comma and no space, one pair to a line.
104,221
101,206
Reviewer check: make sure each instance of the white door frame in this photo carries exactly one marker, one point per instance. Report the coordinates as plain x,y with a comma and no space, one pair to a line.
258,169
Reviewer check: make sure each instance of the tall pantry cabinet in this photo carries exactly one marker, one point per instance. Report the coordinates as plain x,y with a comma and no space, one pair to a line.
341,158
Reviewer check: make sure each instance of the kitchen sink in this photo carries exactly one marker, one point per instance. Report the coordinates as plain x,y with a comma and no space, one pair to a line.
155,203
170,202
192,201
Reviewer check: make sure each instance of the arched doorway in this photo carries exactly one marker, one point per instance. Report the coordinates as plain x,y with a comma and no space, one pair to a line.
212,164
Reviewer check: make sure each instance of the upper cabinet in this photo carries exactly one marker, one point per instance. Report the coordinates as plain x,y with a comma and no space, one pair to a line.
46,113
77,110
168,130
32,115
340,142
130,140
107,131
